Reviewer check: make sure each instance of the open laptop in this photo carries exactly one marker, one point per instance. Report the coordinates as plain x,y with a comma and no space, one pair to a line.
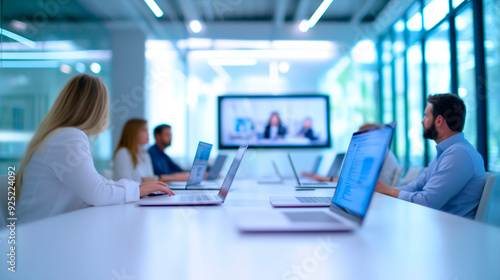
317,163
277,180
306,182
336,165
352,197
310,201
216,167
203,199
197,172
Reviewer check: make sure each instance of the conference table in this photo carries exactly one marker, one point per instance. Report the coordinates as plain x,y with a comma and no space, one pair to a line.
398,240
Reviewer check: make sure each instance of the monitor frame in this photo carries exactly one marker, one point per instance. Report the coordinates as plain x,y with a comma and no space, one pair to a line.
325,97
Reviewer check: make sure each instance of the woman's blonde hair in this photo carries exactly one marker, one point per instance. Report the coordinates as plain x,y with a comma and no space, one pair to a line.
83,103
129,138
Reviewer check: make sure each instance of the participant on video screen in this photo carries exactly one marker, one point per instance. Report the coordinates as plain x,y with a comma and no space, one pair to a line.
274,129
306,130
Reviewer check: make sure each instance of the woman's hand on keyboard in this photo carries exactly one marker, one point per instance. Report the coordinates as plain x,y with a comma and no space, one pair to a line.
149,187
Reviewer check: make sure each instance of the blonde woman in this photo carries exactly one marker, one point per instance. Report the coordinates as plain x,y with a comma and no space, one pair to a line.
130,160
57,174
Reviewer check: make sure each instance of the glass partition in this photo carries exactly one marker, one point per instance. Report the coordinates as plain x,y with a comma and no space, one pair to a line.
39,55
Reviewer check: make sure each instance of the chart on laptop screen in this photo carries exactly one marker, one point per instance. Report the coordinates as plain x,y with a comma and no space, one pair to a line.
363,160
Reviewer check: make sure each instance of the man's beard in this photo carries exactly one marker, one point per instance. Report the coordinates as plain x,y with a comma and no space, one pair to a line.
431,132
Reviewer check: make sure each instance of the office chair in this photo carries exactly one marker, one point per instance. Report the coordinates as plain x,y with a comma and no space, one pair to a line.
485,197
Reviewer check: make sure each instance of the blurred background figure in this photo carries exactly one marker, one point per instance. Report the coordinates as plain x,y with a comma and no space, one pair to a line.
306,130
274,128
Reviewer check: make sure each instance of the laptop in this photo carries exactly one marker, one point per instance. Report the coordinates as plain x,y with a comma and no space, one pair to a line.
316,165
310,201
197,172
352,197
304,183
200,199
336,165
216,167
278,180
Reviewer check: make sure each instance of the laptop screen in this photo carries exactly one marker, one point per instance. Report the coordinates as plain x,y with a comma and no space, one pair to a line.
200,163
336,166
217,167
360,171
224,189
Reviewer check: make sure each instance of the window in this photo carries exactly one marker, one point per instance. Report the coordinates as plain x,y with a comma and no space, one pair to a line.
456,3
492,53
434,12
387,80
400,109
466,71
414,23
415,106
437,59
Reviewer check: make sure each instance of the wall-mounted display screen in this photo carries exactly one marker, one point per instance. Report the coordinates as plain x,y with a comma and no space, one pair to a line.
274,121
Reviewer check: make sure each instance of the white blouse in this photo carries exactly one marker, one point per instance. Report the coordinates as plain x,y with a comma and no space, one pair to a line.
123,167
61,177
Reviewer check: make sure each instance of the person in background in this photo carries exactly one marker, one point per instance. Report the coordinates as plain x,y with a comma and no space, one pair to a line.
306,130
274,128
455,178
163,165
130,160
387,170
57,174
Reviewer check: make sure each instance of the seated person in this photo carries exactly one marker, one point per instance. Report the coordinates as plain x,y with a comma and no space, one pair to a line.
163,165
57,174
455,178
387,170
274,129
130,160
306,130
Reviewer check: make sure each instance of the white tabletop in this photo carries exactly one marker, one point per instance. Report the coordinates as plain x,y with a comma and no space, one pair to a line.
398,240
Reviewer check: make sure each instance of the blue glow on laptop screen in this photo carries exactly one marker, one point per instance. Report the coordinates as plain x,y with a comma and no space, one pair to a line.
359,175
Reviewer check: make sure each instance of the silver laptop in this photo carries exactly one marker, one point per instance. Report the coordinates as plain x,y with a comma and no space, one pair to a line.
352,197
216,167
308,183
197,172
191,200
336,165
277,180
310,201
317,163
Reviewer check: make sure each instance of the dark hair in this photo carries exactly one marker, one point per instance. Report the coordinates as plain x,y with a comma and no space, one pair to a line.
451,107
159,129
272,114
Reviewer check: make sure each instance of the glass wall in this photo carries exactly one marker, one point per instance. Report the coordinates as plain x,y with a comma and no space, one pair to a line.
398,30
467,70
38,56
387,107
492,53
440,33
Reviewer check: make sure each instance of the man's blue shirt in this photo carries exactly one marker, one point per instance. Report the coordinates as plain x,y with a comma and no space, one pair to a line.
162,164
454,180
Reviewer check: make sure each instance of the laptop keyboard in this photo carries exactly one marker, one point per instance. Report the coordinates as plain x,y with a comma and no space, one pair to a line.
306,199
314,217
197,198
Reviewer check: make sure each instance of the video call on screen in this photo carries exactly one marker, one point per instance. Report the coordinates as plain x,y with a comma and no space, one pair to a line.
281,121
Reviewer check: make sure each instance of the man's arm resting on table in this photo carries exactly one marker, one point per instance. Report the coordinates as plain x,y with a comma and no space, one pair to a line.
381,187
